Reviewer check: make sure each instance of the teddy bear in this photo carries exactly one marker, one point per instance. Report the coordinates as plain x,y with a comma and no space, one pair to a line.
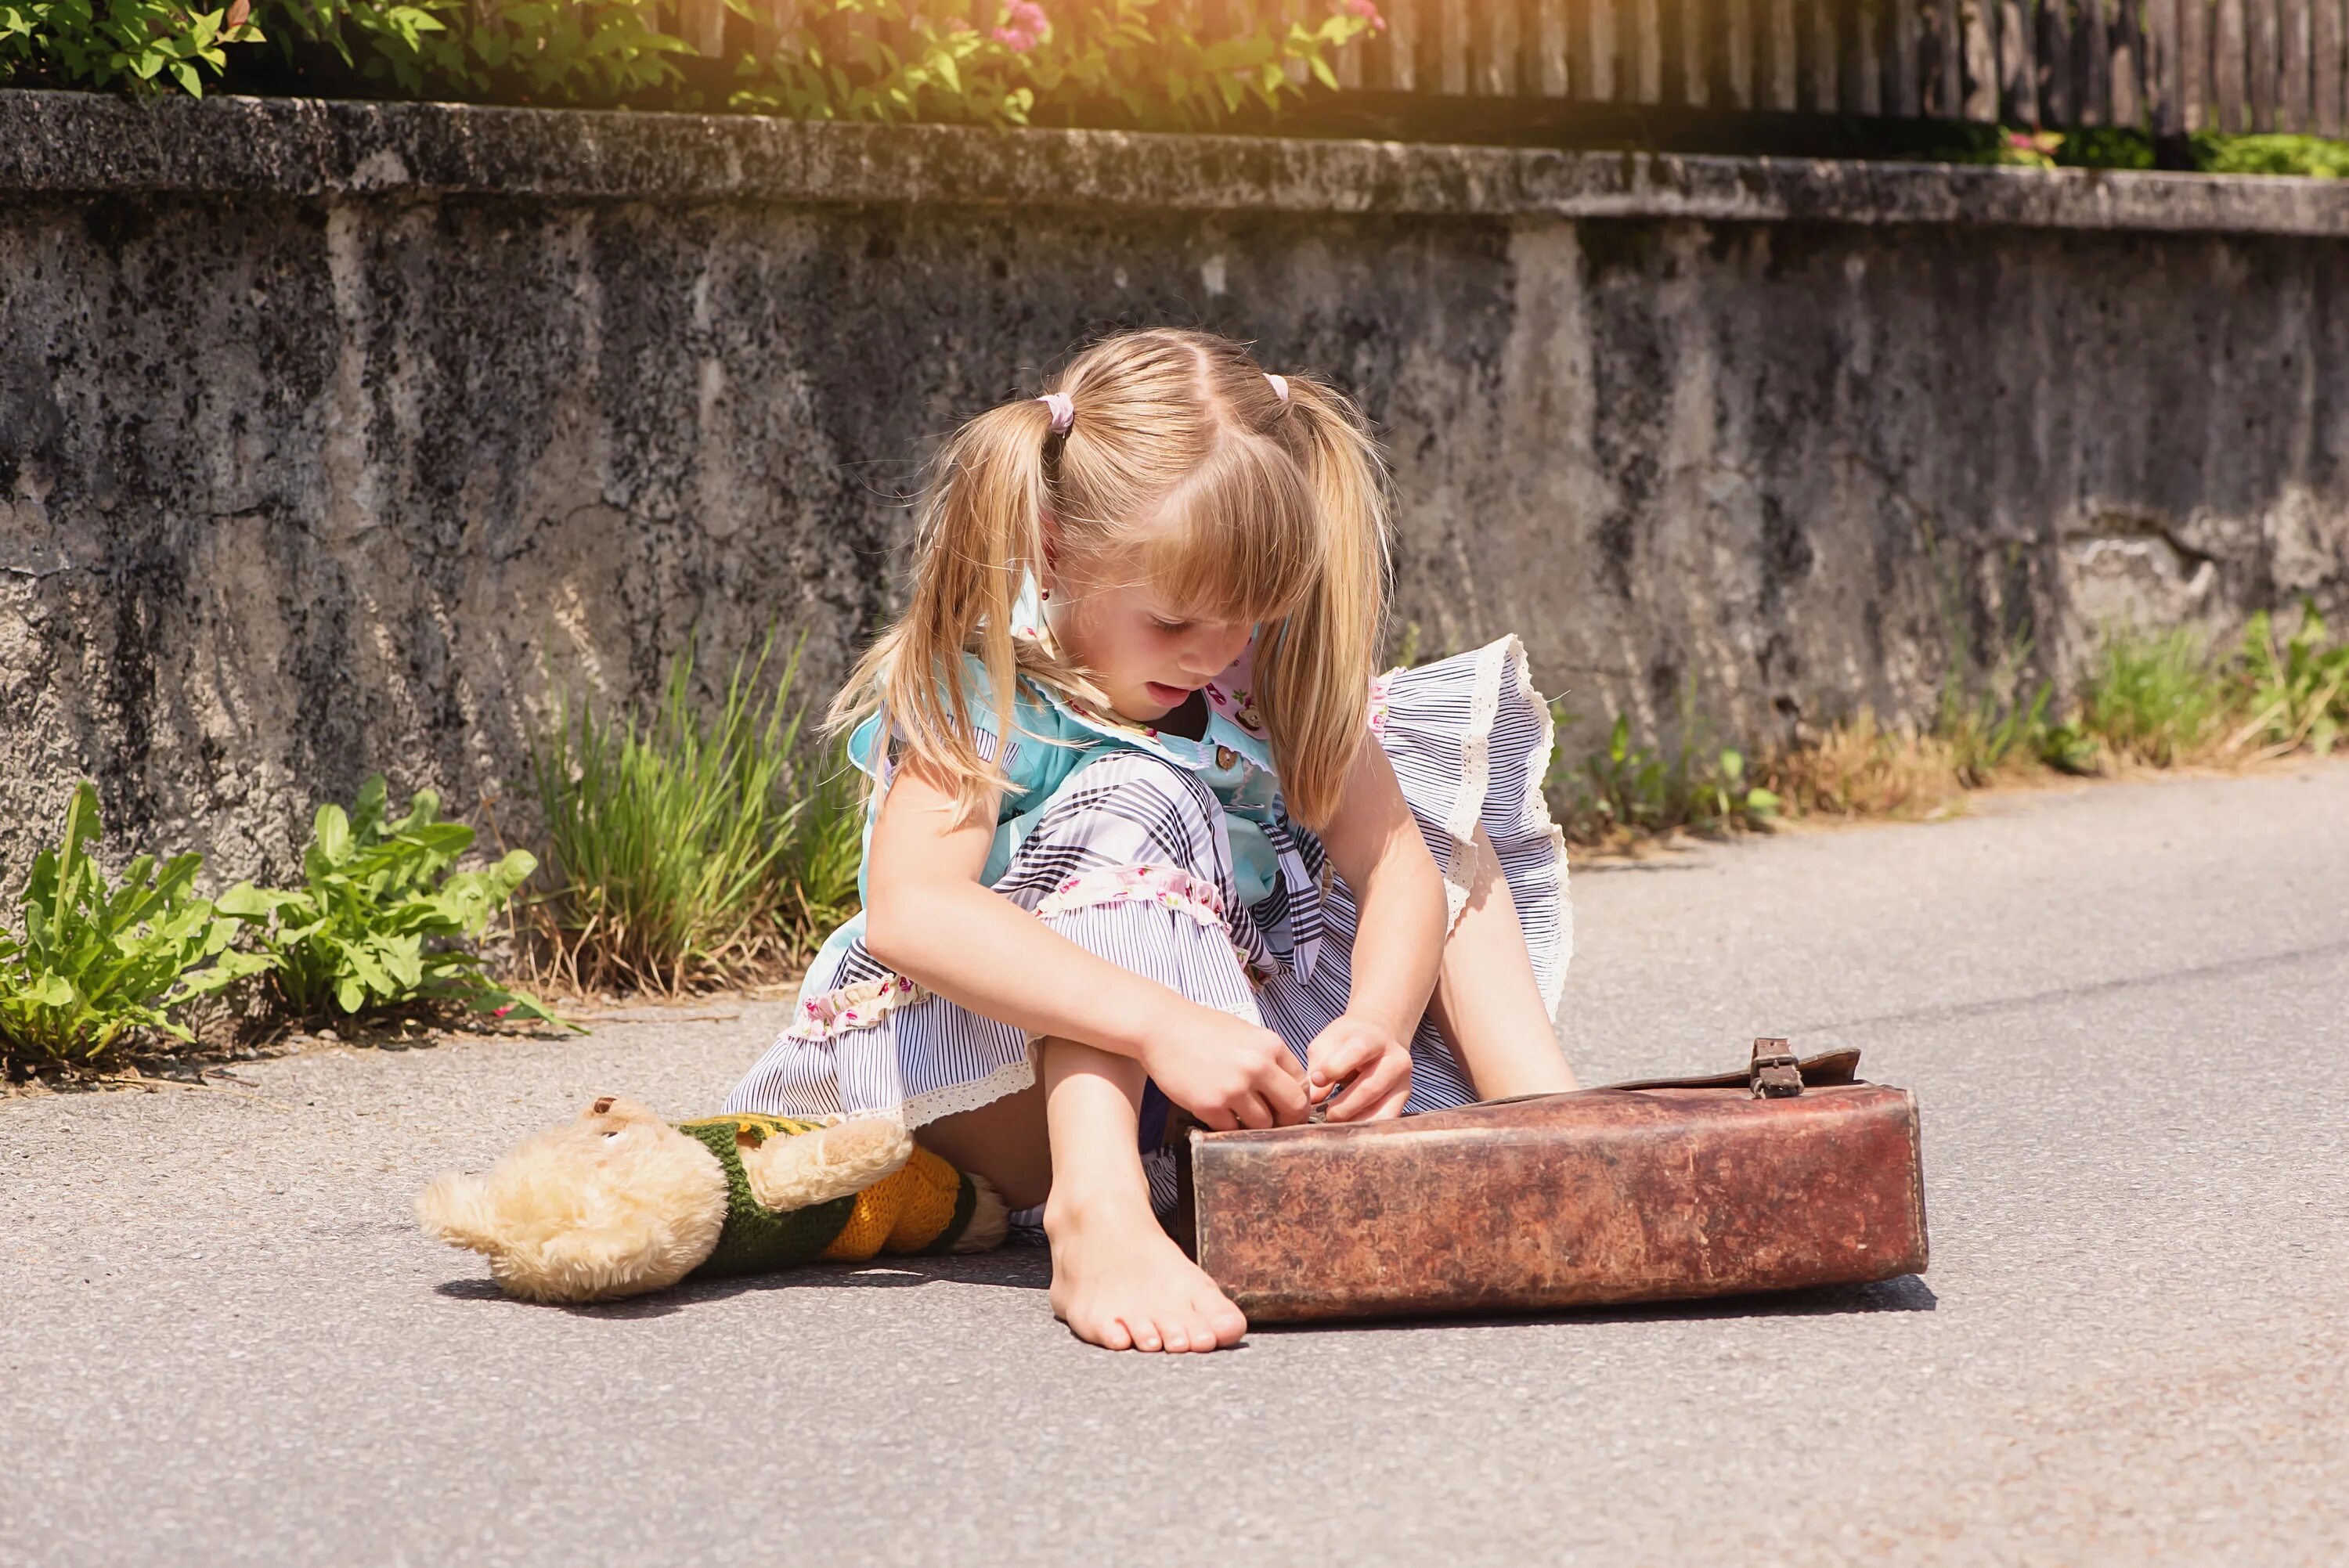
620,1202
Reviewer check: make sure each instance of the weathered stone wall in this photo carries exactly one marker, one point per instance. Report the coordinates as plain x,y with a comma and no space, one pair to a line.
330,435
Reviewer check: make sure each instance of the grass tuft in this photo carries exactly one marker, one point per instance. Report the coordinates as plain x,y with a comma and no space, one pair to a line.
688,850
2149,699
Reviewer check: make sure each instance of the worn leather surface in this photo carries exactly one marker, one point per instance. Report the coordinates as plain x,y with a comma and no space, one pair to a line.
1603,1195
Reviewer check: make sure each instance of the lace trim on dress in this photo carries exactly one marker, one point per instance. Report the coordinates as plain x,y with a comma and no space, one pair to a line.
953,1099
857,1006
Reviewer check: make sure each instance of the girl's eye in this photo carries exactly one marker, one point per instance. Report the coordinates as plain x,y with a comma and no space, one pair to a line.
1170,625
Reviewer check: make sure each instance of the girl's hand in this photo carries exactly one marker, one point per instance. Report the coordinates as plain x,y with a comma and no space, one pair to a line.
1226,1072
1370,1059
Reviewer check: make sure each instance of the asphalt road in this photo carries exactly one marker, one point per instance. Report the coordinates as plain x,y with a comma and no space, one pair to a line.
2125,1011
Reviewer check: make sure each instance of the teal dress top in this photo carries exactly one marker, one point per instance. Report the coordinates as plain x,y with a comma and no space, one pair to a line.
1054,734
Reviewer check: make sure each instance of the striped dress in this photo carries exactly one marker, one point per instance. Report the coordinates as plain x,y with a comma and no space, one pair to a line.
1174,857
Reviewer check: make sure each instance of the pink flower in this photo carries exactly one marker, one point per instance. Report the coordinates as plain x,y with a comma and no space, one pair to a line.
502,1011
1023,28
1366,10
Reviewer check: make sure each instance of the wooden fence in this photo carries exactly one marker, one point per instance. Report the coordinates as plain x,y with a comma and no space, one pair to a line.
2168,66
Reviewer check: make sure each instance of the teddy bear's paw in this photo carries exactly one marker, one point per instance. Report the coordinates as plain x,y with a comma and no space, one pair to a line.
812,1168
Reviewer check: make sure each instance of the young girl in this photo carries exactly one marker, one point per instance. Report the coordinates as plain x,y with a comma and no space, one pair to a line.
1144,829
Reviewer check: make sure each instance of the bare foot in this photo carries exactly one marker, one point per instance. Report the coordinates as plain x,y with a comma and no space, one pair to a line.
1120,1281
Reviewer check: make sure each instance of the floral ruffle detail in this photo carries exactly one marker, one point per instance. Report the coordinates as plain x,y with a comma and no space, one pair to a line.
1379,701
1169,887
857,1006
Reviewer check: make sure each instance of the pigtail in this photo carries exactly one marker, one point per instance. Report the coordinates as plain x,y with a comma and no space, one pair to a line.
1314,670
979,535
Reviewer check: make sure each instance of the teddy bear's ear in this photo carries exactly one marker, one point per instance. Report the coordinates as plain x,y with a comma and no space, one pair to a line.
457,1210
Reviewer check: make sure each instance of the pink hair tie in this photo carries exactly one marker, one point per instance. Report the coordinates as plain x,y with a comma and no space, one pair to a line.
1064,411
1279,386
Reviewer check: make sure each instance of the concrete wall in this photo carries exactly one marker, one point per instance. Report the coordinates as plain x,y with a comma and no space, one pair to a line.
330,434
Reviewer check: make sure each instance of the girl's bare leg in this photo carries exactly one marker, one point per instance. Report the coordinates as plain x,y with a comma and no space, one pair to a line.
1118,1280
1003,1141
1072,1144
1486,1001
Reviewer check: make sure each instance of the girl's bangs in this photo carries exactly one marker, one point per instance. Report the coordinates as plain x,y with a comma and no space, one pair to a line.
1247,548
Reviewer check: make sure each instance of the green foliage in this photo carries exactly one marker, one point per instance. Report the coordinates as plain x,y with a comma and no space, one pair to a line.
686,852
537,51
374,925
2154,696
1629,791
96,962
2305,155
1988,726
981,61
2298,693
139,45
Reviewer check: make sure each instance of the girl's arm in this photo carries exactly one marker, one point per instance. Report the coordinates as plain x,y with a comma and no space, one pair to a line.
1375,844
930,918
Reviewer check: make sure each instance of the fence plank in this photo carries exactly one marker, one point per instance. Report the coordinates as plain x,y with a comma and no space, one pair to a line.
2058,63
1976,26
1493,48
1738,87
1863,81
1821,57
2158,66
1394,59
2292,101
2227,64
1774,55
2193,65
2259,73
1549,77
2130,85
1944,67
1449,39
2325,75
1906,95
2018,62
1599,50
2094,55
702,24
1700,23
1638,43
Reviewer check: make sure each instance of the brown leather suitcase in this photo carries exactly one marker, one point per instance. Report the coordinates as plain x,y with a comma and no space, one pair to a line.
1783,1176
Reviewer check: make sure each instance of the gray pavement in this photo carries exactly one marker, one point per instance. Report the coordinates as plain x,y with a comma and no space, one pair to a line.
2125,1010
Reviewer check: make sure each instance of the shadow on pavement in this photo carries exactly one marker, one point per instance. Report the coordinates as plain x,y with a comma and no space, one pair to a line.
1011,1268
1907,1294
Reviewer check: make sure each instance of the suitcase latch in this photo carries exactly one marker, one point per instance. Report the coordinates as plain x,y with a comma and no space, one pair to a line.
1775,1074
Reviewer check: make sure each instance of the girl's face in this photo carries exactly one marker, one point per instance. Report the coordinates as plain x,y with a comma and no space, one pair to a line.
1147,657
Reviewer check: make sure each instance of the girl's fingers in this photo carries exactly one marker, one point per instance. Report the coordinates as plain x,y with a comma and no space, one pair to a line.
1285,1096
1252,1112
1387,1080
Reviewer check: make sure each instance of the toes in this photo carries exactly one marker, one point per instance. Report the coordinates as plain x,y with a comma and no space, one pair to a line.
1143,1334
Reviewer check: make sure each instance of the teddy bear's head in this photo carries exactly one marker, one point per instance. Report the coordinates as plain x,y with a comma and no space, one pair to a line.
616,1204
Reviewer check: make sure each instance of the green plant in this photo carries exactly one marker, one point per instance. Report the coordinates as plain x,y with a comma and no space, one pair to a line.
2215,153
2298,693
137,44
96,962
1625,791
685,851
2153,697
376,923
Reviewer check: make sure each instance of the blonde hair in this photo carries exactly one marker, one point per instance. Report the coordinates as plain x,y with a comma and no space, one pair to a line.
1179,457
